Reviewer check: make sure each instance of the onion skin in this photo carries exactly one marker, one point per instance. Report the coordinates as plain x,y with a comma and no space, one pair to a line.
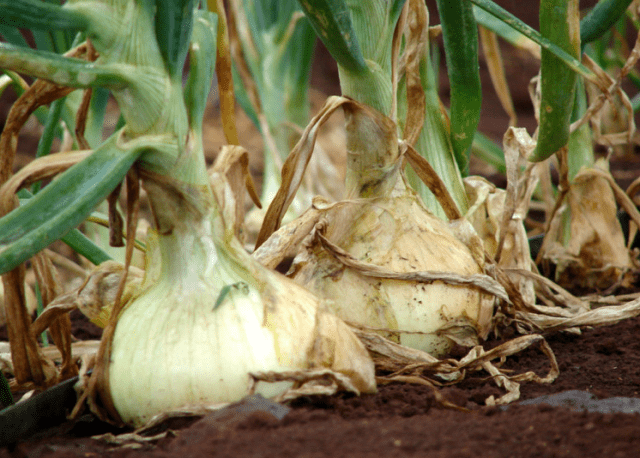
399,234
179,345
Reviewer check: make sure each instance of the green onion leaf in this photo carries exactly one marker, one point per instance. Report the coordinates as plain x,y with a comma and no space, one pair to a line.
601,18
39,309
559,23
488,151
460,35
63,204
201,64
509,19
37,15
75,239
174,21
13,36
65,71
331,20
50,128
500,27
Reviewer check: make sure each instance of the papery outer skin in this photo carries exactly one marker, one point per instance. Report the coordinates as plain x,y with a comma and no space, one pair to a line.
399,234
596,256
171,349
485,213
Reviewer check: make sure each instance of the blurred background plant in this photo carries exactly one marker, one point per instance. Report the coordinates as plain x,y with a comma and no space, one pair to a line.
272,44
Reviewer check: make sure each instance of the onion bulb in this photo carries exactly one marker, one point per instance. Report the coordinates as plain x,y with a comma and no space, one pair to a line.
379,255
208,315
399,235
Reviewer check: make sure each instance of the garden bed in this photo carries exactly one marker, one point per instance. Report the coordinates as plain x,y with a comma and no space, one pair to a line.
405,419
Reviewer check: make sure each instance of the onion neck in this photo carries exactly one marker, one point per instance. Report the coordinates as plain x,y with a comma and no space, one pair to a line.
372,153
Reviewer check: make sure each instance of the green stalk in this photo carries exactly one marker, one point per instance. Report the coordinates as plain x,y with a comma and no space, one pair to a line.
373,26
460,34
580,141
39,310
488,151
51,128
358,36
580,151
559,22
278,49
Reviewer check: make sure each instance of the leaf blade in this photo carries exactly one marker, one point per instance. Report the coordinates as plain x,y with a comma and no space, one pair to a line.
332,22
174,23
559,22
460,35
63,204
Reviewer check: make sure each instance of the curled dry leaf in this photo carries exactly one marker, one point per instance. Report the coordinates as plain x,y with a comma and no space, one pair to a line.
498,215
610,111
233,164
403,362
601,316
96,297
308,382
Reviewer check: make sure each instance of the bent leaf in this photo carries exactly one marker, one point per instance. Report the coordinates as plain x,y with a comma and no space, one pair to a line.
40,16
63,204
515,23
76,240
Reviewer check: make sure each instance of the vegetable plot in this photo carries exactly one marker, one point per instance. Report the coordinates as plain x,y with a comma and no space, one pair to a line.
414,258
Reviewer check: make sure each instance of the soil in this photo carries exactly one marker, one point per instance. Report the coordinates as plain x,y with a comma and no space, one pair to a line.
403,419
406,420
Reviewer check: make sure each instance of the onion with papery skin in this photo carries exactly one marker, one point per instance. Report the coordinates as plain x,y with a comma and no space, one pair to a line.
399,235
209,315
382,225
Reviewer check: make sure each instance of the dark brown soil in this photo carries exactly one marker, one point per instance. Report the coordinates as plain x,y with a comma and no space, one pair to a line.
405,420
